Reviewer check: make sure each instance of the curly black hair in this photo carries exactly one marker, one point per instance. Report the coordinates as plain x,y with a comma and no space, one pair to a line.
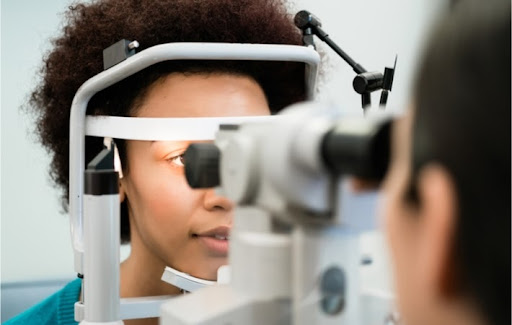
91,27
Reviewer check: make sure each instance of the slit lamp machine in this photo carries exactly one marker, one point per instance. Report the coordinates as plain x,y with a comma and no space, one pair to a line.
294,248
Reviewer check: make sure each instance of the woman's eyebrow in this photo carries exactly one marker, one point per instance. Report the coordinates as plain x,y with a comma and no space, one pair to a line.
169,146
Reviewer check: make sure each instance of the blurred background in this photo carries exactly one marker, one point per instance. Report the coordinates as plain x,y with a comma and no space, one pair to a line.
36,253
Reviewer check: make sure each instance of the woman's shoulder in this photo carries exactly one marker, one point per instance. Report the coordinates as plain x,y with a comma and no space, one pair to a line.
56,309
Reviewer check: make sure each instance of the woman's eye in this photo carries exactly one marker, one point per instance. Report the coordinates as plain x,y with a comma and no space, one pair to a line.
178,160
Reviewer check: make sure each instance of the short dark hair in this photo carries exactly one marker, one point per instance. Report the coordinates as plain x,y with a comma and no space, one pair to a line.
462,121
90,28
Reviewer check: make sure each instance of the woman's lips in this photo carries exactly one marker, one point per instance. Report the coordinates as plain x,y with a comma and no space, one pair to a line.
218,247
215,240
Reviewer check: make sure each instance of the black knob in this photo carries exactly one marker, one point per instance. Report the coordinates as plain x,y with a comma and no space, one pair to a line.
202,163
304,19
367,82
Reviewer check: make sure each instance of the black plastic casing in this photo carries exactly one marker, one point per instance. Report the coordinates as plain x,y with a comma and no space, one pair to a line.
202,165
101,182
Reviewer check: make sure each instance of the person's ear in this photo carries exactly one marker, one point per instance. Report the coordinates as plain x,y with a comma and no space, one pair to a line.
438,215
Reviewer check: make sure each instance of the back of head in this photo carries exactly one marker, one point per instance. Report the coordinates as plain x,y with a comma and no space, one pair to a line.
462,121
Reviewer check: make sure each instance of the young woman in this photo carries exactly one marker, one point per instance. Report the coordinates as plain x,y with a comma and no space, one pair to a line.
164,220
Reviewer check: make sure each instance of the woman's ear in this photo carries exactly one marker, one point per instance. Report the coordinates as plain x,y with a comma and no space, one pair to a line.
438,215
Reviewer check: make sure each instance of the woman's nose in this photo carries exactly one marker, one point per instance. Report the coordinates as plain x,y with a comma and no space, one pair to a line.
213,202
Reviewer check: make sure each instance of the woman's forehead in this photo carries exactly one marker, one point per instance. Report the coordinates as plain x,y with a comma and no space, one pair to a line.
180,95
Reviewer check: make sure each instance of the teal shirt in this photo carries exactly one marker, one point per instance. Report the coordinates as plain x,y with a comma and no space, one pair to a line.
58,309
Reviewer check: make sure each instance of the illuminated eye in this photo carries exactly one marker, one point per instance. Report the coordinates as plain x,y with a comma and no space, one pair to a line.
178,160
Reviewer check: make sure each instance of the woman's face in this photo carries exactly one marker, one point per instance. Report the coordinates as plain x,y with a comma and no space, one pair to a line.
171,223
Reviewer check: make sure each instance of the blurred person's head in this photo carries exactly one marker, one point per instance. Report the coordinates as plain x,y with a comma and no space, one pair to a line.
448,196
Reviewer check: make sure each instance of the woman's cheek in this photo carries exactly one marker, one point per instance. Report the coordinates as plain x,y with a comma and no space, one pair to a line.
171,197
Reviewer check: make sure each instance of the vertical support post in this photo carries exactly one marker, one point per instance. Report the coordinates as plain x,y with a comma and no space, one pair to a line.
101,241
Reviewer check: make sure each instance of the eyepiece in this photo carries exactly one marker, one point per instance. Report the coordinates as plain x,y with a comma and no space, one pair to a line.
363,154
202,165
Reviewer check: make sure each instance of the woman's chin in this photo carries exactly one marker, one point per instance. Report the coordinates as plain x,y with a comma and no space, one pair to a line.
206,271
209,274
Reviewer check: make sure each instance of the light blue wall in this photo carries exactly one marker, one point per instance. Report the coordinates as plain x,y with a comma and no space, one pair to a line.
34,235
35,240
